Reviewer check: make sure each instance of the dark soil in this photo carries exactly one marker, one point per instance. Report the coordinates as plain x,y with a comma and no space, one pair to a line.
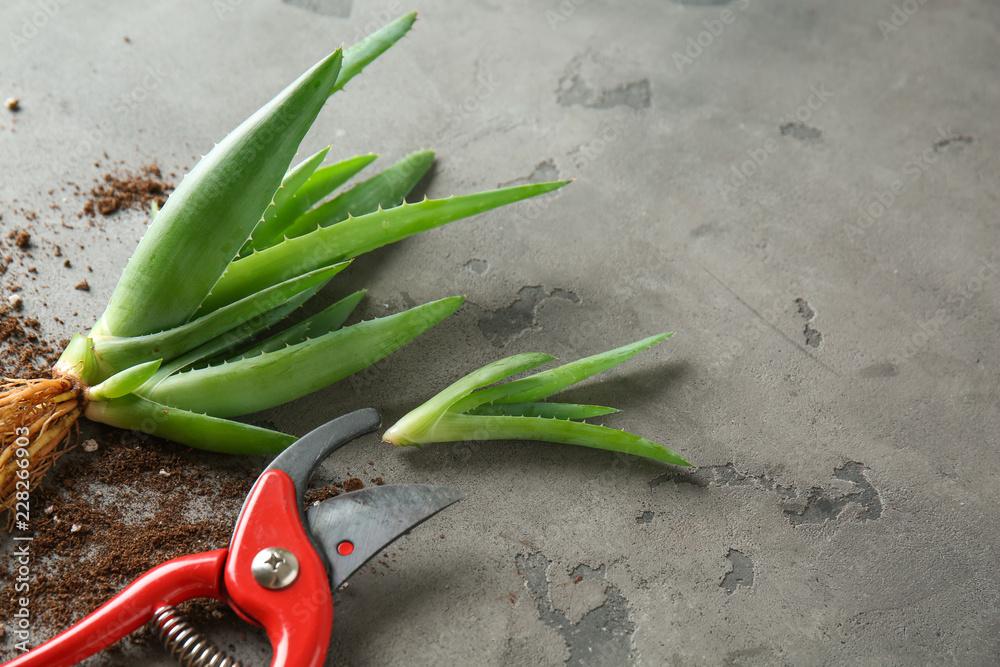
23,352
128,190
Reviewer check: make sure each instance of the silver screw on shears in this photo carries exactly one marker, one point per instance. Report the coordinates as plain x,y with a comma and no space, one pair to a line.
275,568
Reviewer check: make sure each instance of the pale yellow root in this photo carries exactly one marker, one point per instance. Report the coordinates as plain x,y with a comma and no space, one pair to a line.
36,420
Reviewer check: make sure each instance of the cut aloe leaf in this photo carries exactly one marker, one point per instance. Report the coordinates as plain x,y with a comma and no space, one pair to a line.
385,191
542,385
356,236
323,182
542,409
321,323
188,428
513,410
210,215
272,378
123,352
418,423
456,427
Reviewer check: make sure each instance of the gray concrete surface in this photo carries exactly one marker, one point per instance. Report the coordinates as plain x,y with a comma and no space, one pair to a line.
806,192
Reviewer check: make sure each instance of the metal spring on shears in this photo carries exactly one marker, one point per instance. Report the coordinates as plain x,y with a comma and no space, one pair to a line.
188,646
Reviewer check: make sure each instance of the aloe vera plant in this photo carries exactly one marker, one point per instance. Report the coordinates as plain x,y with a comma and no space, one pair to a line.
242,242
517,410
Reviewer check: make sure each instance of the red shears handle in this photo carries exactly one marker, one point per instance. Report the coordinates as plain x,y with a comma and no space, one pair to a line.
173,582
298,618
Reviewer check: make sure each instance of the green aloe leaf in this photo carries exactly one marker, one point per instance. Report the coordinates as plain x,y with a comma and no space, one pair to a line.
188,428
294,179
385,191
321,323
121,352
542,385
210,215
355,236
418,423
513,411
222,347
456,427
123,383
272,378
79,360
322,182
542,409
358,56
328,179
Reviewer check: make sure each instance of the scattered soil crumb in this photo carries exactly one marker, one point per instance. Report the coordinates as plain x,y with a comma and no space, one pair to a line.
23,352
83,285
21,238
12,103
316,496
129,190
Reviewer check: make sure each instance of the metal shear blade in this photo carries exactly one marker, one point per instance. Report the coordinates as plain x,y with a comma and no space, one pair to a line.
355,526
351,528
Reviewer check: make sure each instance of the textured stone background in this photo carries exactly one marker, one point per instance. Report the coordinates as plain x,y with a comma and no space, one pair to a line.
806,192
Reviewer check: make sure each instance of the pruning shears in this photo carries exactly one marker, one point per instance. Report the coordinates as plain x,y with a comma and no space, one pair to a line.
282,565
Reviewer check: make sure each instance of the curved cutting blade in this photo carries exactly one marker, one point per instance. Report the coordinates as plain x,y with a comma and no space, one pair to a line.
355,526
302,457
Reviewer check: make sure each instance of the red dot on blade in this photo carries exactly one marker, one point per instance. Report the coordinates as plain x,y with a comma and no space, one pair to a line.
345,548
